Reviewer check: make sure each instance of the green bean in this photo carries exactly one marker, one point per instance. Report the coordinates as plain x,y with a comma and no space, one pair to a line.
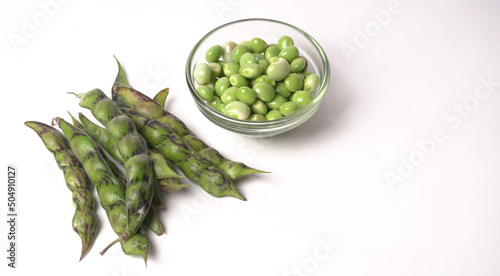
213,53
306,73
302,98
288,108
284,41
84,219
238,80
302,76
230,68
259,56
246,95
221,85
205,92
259,107
250,70
278,69
258,45
298,65
211,85
264,78
229,95
238,51
247,58
214,102
289,53
264,63
274,59
237,109
227,50
293,82
220,107
215,70
276,102
202,73
256,117
271,51
311,83
282,90
133,148
246,43
194,166
129,97
273,115
265,92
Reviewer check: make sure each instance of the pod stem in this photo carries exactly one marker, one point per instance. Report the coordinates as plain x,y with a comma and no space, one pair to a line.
122,237
55,121
79,96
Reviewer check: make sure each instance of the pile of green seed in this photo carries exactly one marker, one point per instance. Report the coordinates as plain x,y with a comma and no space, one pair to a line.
254,80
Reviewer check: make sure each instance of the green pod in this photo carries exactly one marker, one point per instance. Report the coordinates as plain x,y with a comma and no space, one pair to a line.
194,166
161,97
84,221
156,201
109,188
102,136
153,222
133,149
138,245
98,138
162,169
171,184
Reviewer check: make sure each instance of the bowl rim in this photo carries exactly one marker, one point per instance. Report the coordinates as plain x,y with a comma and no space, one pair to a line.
324,80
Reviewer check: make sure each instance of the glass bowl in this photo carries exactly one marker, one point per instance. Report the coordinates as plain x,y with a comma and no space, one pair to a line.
270,31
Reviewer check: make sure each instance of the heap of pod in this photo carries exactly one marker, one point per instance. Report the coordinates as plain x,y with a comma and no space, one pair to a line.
129,158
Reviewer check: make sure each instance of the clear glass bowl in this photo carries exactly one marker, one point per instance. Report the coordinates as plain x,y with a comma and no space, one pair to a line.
270,31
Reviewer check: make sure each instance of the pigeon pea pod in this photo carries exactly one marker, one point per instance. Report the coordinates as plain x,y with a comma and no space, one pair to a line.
167,178
194,166
109,189
112,166
152,220
84,219
101,135
133,149
138,244
135,245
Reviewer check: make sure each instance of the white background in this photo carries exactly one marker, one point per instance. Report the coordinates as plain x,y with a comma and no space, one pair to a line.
403,83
